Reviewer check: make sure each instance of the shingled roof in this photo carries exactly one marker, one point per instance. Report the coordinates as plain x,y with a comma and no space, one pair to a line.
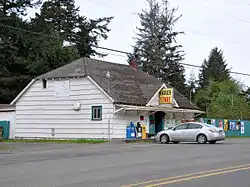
126,85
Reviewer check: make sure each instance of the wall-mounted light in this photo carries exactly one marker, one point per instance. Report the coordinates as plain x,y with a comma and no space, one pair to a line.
77,106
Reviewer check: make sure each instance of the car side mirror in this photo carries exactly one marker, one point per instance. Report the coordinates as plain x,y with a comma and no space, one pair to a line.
173,129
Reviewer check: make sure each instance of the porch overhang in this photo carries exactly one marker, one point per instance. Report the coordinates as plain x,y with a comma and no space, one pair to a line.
156,109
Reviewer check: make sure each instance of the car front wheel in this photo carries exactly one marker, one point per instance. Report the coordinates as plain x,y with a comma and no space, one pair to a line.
164,139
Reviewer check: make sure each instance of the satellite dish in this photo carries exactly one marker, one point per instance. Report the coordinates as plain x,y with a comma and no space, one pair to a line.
77,106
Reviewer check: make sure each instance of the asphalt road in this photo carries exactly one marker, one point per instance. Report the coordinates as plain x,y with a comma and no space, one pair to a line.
226,164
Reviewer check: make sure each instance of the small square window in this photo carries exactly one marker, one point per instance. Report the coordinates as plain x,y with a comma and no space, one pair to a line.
44,83
96,112
142,118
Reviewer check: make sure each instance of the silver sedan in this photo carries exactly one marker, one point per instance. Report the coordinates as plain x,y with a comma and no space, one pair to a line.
191,132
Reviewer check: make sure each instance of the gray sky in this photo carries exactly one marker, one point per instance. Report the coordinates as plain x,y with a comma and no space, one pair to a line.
206,23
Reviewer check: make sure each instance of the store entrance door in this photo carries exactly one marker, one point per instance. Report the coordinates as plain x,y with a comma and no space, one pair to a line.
159,121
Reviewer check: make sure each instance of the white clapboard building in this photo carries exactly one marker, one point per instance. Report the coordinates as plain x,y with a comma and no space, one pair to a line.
95,99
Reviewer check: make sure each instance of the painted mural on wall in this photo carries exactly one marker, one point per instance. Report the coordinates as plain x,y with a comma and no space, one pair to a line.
242,127
231,127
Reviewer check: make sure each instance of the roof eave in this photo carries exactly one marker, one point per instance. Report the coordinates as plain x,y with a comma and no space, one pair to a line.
61,77
22,92
158,108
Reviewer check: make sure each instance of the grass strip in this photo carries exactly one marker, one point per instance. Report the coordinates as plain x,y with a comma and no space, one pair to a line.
76,141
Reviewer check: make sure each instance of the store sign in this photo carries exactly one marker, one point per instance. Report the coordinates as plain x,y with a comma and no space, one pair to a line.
166,96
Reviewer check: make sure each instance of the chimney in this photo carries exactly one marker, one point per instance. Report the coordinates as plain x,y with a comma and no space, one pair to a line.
133,64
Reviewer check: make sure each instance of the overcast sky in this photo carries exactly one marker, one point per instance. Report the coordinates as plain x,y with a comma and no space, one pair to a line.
206,23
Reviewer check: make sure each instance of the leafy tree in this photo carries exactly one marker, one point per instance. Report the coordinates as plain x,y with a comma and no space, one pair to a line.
247,94
156,48
223,100
214,69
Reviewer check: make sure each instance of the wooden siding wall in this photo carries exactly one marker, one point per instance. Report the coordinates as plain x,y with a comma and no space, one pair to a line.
38,111
123,119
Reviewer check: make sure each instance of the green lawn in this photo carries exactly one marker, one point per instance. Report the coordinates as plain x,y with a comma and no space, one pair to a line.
77,141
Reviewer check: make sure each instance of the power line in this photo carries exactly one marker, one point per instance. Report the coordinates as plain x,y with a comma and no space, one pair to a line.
114,50
105,48
184,64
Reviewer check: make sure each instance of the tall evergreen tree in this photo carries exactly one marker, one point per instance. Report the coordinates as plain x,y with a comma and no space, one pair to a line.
48,51
214,69
18,7
156,47
73,28
25,55
13,70
62,15
89,33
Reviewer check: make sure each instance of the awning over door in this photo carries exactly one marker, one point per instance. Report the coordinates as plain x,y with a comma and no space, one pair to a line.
156,109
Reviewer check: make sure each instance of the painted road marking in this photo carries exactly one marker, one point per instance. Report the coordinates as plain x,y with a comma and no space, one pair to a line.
186,175
199,176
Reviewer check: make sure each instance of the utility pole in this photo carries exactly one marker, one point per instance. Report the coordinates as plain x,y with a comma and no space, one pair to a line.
108,77
192,90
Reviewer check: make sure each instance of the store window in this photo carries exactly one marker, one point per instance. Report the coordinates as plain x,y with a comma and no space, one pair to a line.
96,113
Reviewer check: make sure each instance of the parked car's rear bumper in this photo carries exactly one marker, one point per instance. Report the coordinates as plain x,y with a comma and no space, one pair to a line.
217,137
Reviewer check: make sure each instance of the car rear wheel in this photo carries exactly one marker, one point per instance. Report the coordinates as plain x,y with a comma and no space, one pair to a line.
213,142
164,139
201,139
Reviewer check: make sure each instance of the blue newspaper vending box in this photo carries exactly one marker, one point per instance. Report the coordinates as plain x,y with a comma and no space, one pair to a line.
130,131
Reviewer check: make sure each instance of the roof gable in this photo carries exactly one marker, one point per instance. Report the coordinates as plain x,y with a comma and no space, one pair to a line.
175,104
